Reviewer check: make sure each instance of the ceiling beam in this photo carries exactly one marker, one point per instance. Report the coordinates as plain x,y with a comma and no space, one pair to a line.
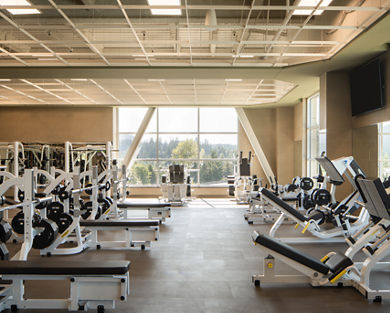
200,7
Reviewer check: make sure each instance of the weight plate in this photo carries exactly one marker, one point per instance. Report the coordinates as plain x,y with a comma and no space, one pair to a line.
21,195
17,223
5,231
306,183
48,233
54,209
63,221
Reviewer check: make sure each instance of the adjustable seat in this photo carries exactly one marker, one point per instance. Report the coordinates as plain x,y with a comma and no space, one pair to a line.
283,205
332,267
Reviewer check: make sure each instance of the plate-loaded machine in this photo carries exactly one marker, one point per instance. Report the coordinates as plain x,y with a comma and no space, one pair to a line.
120,208
138,233
92,284
337,269
341,213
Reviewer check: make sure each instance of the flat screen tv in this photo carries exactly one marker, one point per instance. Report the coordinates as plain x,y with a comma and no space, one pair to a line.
368,87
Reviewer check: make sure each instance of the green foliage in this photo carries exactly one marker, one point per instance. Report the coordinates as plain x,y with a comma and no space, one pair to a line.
186,149
141,174
210,171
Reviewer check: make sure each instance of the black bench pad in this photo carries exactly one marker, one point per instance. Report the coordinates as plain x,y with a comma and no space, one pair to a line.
283,205
135,223
124,205
291,253
43,267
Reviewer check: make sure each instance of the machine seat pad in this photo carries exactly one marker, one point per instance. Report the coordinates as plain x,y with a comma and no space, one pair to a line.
124,205
290,199
44,267
338,262
291,253
135,223
268,194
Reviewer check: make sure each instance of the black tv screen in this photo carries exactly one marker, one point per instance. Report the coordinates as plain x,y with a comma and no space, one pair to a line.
367,87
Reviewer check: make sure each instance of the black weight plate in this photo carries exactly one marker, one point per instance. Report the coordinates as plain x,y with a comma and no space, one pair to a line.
105,204
63,221
54,209
86,210
5,231
306,183
48,234
109,199
322,197
17,223
21,195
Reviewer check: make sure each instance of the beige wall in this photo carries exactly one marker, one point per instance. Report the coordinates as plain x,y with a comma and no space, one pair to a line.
275,131
338,119
298,122
54,125
365,149
285,144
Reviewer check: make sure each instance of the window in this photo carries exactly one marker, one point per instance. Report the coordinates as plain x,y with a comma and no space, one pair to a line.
315,138
384,150
204,139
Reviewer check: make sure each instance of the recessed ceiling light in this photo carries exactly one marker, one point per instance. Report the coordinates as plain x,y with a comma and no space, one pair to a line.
19,3
79,79
156,80
311,3
165,3
4,80
233,80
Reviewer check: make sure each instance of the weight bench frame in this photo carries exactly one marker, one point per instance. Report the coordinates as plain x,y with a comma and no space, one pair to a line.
154,213
86,292
135,236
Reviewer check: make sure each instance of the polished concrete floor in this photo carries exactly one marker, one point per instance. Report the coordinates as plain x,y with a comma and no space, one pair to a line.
204,261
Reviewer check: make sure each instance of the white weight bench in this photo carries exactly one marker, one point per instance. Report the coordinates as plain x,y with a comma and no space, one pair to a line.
92,285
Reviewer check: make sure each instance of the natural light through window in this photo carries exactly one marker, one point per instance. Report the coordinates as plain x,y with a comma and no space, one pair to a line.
315,137
203,139
384,150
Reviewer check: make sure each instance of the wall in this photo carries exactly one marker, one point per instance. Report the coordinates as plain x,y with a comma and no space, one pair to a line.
56,125
338,119
365,149
274,129
284,144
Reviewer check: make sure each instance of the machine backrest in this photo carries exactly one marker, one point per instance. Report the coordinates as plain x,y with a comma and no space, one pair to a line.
331,170
377,200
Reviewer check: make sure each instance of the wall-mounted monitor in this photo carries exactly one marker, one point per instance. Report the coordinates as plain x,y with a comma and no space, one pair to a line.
368,87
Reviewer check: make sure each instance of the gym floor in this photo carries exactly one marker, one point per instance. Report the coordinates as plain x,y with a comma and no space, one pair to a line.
203,262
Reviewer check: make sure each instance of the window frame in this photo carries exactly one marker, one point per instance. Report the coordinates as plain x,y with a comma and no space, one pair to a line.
381,160
311,164
198,160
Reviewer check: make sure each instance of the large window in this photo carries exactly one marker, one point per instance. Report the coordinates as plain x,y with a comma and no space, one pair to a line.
204,139
384,150
315,137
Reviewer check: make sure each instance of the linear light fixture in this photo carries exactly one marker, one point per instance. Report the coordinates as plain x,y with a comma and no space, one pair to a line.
233,80
165,11
311,3
79,79
19,11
